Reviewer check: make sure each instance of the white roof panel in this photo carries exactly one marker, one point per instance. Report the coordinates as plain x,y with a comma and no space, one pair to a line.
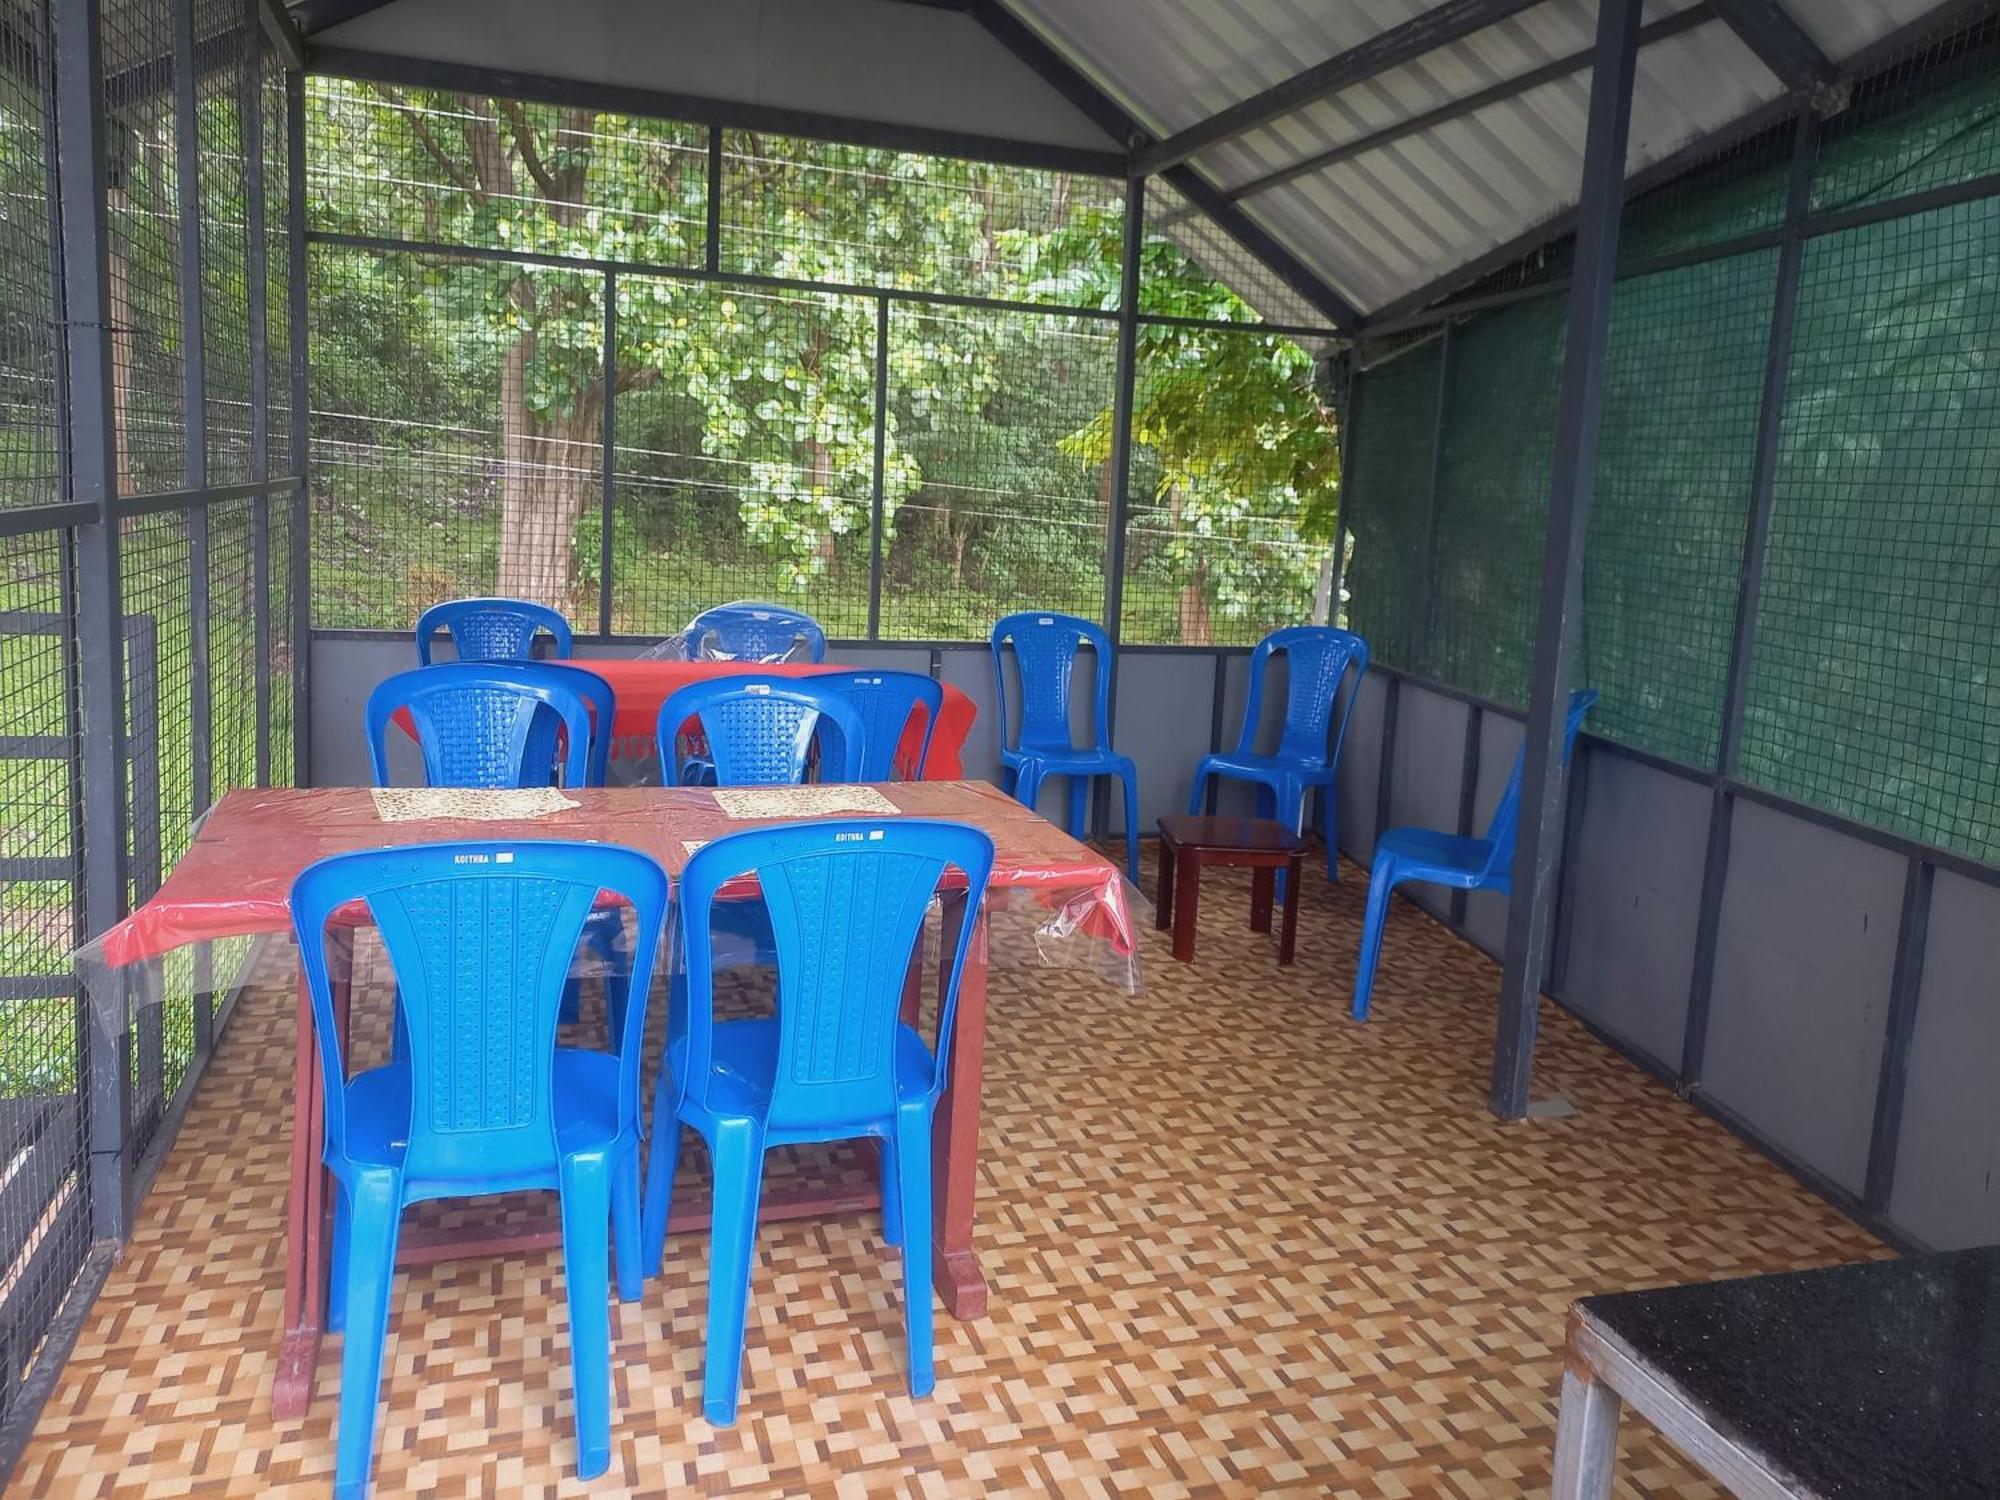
1395,218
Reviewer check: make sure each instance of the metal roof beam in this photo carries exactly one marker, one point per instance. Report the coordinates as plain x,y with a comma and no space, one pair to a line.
1781,45
1438,27
283,34
1111,117
318,15
1695,15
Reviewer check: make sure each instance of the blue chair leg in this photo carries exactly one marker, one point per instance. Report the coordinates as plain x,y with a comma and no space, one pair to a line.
1329,804
375,1208
738,1151
1195,804
1130,776
913,1182
336,1285
586,1213
660,1164
892,1197
1381,881
625,1236
1009,775
1028,786
1079,805
1288,806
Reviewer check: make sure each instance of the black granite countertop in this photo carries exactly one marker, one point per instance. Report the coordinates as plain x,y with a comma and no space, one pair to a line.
1877,1380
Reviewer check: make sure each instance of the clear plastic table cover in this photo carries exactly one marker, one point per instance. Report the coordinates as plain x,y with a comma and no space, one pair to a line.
1052,902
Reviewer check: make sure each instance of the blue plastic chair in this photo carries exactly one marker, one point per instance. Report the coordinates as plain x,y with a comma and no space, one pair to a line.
750,631
1045,647
847,901
483,1101
603,703
886,701
491,629
484,724
1317,659
1485,863
760,730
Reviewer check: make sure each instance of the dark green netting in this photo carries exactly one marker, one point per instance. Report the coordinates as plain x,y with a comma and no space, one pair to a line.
1876,683
1682,384
1933,124
1389,481
1739,193
1493,496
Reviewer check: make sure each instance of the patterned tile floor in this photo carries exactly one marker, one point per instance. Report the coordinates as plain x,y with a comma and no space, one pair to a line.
1236,1244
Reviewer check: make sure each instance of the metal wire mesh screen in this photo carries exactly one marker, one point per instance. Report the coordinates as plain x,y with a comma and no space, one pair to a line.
762,494
1235,451
1390,482
827,212
1869,691
222,42
1676,445
994,485
1492,498
1874,689
44,1214
757,437
439,428
143,176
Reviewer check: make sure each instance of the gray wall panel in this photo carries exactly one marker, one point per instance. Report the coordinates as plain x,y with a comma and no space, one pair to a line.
1945,1192
1237,798
1164,703
1803,960
1634,898
344,673
1427,766
971,672
1499,742
1361,770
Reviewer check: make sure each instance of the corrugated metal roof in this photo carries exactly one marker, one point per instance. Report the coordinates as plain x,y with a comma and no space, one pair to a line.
1396,217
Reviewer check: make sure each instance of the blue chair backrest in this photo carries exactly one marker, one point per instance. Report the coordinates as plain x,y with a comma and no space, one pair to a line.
750,631
603,702
481,937
759,729
491,629
1317,658
484,724
1045,647
886,701
846,900
1504,826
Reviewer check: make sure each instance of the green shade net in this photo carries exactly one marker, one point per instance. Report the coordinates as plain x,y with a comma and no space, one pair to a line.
1389,482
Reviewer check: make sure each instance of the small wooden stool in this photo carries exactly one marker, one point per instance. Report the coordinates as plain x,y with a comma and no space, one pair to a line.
1188,842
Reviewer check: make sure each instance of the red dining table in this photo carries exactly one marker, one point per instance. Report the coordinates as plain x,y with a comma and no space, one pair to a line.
235,878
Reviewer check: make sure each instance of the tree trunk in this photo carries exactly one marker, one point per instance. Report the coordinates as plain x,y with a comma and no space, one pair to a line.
1323,590
547,481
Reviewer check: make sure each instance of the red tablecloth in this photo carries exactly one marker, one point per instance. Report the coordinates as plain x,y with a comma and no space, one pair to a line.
236,876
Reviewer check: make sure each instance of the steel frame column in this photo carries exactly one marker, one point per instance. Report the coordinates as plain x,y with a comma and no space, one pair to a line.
93,468
877,498
608,439
1756,539
1613,64
299,533
1121,462
257,285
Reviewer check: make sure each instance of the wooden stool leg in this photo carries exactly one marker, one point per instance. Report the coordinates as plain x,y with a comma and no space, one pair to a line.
1262,879
1187,894
1163,904
1288,934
